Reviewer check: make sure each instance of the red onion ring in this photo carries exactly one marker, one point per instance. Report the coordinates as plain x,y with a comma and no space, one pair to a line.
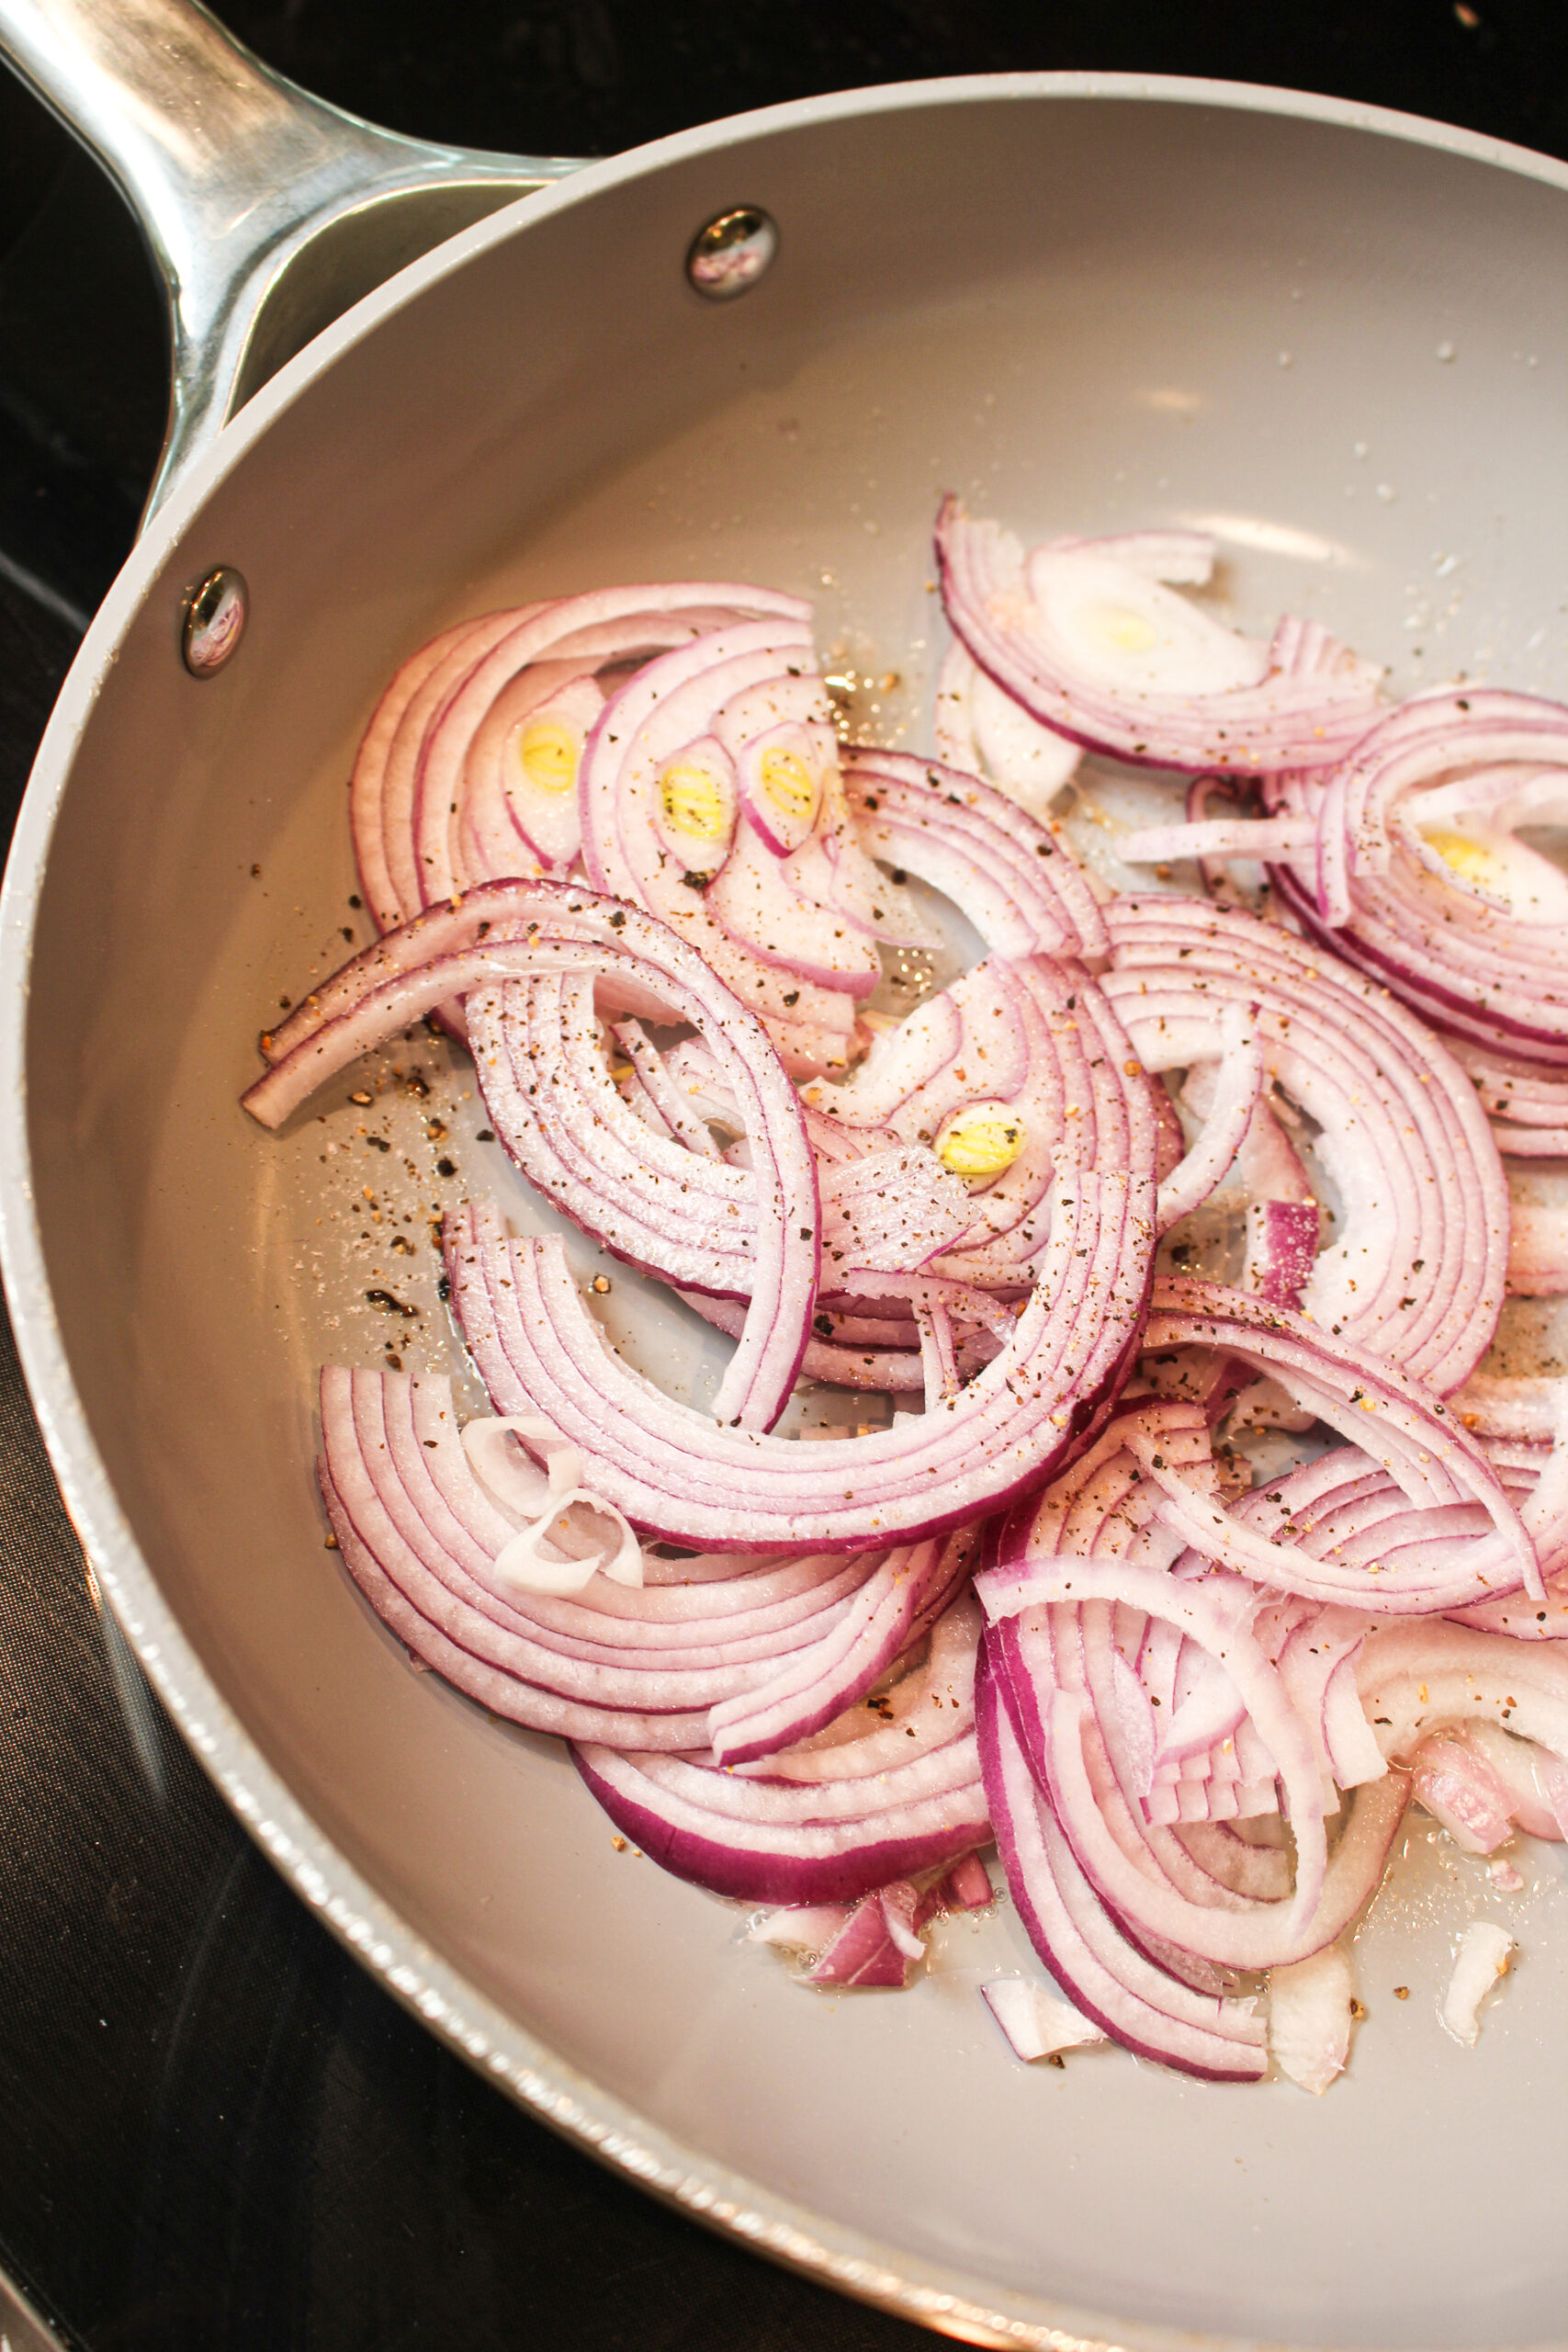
1315,701
825,1825
788,956
643,963
1108,1979
1034,1044
672,1471
1416,1272
1001,870
1217,1615
1373,890
413,792
753,1658
1373,1403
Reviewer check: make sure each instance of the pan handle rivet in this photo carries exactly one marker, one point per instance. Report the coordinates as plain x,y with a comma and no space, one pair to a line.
732,252
213,616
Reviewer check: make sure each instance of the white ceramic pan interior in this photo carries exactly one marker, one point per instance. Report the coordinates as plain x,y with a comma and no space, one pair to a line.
1338,343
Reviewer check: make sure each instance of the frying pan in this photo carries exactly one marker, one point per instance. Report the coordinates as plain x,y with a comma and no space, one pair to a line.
1335,338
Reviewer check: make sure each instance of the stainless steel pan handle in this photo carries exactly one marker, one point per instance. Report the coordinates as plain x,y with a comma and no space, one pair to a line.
266,212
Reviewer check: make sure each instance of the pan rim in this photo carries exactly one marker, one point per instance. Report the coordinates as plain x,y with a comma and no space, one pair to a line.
939,2296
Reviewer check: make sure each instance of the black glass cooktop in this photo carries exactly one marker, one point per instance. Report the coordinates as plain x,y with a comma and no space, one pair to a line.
215,2132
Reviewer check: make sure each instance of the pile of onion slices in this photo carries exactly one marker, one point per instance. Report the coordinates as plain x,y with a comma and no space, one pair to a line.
1194,1542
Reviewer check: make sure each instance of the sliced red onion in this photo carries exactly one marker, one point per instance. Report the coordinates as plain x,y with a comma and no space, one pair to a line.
1067,1654
637,960
1037,2024
926,1696
882,1351
1107,1979
780,773
1281,1251
1261,1872
1337,1531
546,1504
805,1846
1284,1222
1075,1651
915,1294
422,1570
895,1605
654,836
1083,1651
460,746
1439,917
554,1102
672,1470
892,1210
1525,1784
771,920
1217,1615
884,1365
652,1091
1424,1675
551,1098
1415,1271
939,1361
1207,1760
877,1942
902,1060
966,1886
1183,558
1404,1427
1346,1510
1006,873
1310,2007
442,790
1014,1066
1226,1125
518,807
1116,625
1456,1788
834,867
1528,1105
1101,1504
1219,837
1538,1251
982,731
800,1927
1185,693
1342,1530
1485,1953
1170,1147
464,924
1499,1405
1263,1937
836,1819
381,795
647,1665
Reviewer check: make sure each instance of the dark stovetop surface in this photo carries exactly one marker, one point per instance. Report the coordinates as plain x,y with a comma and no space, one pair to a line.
218,2132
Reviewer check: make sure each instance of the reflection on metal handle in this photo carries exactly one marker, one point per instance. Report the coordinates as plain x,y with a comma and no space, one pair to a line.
267,212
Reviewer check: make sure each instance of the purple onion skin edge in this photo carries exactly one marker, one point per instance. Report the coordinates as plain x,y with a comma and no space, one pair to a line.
1423,997
749,1877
